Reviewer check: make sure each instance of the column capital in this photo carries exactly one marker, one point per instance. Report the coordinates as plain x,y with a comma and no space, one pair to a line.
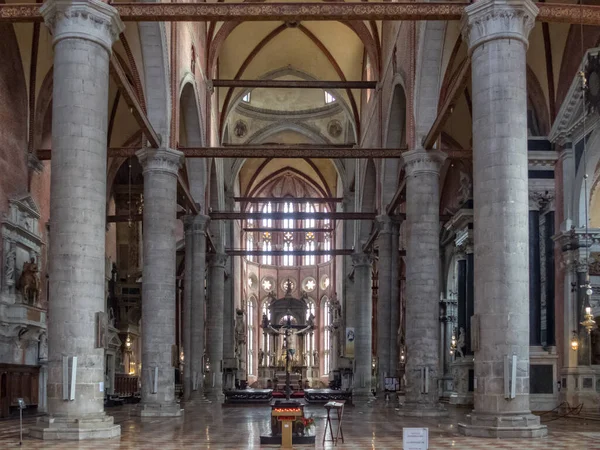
361,259
217,260
160,160
387,224
487,20
539,201
419,161
91,20
195,224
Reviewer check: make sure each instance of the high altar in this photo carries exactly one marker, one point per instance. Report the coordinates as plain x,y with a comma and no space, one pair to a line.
288,329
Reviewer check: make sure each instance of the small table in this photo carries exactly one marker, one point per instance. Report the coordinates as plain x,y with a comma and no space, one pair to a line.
338,406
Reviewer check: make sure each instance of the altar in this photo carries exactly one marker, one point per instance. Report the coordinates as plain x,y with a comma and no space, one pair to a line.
287,345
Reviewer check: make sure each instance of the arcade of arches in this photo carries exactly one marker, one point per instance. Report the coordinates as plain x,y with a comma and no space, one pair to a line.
454,283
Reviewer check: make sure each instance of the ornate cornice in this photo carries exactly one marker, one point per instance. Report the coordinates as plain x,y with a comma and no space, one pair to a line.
423,161
487,20
91,20
160,160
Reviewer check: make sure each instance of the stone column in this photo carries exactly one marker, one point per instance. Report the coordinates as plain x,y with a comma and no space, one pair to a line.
198,230
384,302
159,355
363,343
216,288
422,169
496,32
395,298
83,35
187,308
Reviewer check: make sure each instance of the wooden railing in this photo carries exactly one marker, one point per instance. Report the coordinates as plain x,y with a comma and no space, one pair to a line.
126,385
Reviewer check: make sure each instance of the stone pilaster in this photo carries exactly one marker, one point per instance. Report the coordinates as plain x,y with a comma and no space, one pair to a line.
198,229
83,35
496,32
216,289
422,169
159,354
363,343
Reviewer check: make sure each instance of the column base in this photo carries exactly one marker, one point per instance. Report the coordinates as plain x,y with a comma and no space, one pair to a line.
198,398
99,426
362,398
158,410
215,396
514,425
410,409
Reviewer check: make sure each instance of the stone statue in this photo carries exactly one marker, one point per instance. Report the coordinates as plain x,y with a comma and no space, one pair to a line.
111,317
316,358
265,321
261,357
9,267
311,320
240,332
465,188
29,282
335,308
43,349
460,343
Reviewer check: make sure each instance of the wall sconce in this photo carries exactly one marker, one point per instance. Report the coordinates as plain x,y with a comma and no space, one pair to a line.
588,323
206,364
402,356
574,341
181,357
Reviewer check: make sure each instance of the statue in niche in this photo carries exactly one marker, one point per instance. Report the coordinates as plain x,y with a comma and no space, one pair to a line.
240,331
29,282
460,343
316,358
9,267
335,308
43,349
261,357
311,320
111,317
265,321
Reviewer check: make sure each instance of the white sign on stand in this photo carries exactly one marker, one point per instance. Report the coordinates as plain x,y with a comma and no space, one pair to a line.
415,438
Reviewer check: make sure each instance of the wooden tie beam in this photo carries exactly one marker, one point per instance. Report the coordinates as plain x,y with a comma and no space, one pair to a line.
295,84
335,252
288,200
294,12
229,215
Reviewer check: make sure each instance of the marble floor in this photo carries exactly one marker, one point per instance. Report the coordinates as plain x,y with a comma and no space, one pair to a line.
239,427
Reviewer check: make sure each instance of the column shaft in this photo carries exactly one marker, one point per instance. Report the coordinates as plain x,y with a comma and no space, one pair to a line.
422,282
395,301
198,301
160,167
83,34
384,301
216,288
496,32
363,346
187,311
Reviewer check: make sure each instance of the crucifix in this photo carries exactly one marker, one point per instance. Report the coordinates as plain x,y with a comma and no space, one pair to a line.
287,330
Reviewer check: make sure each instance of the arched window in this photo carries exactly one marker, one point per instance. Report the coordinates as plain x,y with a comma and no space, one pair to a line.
325,305
251,321
288,246
249,245
266,246
265,310
267,222
327,246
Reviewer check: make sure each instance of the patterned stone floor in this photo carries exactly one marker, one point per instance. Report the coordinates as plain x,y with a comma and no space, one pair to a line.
239,427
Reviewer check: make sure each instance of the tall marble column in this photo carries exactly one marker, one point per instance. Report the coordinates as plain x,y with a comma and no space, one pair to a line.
198,227
384,300
160,168
83,35
422,169
496,32
216,290
395,298
363,343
